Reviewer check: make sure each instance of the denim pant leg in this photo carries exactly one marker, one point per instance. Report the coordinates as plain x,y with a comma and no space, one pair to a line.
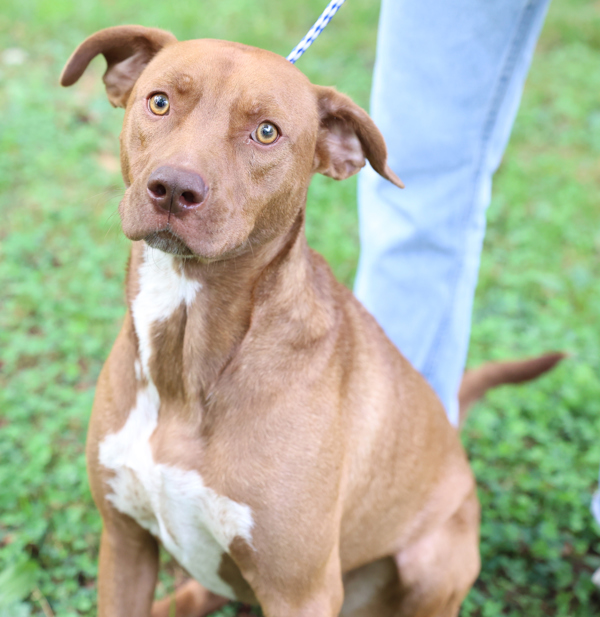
446,88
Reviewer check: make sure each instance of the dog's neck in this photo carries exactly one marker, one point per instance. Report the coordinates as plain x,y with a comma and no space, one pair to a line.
191,317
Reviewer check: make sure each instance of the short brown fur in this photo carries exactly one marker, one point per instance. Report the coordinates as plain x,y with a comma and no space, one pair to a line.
275,384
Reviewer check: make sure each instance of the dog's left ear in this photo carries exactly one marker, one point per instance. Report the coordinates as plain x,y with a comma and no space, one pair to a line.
348,138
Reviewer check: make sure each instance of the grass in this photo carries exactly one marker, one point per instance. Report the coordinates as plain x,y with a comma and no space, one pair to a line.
535,449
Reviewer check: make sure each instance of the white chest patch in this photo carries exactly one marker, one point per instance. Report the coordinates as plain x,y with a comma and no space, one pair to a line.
163,289
194,523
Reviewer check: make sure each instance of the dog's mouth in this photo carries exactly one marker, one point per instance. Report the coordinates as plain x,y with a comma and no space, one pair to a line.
168,241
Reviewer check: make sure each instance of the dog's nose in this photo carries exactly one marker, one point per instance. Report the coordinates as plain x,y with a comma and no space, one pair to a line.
176,190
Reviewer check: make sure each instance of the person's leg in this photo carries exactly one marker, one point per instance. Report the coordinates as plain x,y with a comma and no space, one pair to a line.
446,89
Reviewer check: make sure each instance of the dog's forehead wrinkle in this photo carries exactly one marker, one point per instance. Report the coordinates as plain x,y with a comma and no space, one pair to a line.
181,81
250,108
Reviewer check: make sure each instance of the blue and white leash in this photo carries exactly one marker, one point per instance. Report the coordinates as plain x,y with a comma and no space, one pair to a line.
313,33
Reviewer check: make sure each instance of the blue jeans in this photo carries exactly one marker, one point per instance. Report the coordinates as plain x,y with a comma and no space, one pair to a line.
446,89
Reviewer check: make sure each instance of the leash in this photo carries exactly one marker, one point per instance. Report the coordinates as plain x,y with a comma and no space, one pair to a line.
331,9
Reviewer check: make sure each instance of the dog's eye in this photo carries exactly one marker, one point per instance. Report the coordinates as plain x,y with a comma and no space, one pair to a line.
266,133
159,104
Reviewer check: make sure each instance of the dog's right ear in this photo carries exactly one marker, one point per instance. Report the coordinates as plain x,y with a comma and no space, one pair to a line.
127,50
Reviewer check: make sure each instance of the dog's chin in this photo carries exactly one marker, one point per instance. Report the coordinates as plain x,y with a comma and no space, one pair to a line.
168,242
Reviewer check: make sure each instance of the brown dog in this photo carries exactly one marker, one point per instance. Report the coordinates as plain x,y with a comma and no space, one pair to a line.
252,416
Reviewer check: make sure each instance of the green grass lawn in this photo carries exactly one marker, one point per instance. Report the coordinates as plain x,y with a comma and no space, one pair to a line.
535,449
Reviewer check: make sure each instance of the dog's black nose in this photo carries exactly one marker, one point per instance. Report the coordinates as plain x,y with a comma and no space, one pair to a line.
176,190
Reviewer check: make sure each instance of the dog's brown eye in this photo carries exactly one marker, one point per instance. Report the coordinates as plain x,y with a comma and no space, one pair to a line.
159,104
266,133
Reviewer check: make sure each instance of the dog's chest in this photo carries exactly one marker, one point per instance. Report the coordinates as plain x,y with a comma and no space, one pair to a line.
194,523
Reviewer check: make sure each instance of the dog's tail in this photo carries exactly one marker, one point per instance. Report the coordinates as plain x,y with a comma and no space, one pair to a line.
478,381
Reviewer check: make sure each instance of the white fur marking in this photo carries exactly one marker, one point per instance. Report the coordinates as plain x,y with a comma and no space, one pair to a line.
163,289
137,367
195,524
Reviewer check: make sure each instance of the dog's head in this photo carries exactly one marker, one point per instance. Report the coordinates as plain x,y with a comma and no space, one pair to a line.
220,140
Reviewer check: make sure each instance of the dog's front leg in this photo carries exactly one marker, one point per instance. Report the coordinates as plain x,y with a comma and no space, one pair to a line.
317,592
325,602
128,569
320,605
